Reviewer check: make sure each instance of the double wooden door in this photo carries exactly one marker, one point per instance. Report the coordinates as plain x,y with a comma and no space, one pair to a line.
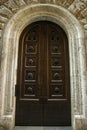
43,89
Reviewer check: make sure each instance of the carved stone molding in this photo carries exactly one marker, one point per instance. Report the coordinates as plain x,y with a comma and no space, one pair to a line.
3,1
9,7
64,3
79,9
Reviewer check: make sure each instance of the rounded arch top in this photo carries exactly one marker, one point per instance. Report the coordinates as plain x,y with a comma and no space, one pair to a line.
49,12
43,12
26,29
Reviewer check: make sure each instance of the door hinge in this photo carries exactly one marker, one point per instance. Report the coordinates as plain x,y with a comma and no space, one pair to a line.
16,90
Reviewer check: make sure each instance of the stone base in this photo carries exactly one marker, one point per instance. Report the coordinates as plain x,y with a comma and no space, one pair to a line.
81,124
1,128
6,123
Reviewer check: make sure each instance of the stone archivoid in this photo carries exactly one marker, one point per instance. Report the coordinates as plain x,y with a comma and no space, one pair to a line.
9,7
60,2
3,1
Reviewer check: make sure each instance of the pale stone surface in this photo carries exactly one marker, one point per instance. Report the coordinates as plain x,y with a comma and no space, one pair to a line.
15,16
1,128
0,35
3,19
6,12
42,128
80,123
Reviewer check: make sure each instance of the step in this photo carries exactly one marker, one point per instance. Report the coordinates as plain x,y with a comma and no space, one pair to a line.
41,128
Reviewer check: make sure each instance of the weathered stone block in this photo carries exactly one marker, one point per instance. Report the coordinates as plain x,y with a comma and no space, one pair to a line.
81,124
1,128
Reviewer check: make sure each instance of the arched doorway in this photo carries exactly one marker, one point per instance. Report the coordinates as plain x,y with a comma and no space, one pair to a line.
43,88
77,62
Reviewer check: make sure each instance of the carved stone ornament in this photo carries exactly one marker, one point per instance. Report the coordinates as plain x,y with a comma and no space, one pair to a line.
79,9
59,2
3,1
9,7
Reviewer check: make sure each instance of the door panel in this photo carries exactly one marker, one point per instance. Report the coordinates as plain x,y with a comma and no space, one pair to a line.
57,108
43,76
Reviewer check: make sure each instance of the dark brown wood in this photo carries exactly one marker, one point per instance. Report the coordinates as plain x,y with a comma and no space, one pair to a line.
43,96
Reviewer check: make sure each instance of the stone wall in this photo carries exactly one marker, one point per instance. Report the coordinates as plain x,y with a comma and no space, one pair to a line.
9,9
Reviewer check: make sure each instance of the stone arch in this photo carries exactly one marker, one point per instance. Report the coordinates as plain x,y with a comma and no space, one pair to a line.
11,35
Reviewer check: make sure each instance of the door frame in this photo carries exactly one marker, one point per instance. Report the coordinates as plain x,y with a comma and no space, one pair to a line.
77,57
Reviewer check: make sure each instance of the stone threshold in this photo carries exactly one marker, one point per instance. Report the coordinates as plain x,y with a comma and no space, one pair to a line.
41,128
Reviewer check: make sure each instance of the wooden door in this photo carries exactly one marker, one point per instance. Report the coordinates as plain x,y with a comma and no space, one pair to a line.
43,88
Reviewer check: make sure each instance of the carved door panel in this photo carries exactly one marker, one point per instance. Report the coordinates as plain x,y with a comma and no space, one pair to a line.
43,90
